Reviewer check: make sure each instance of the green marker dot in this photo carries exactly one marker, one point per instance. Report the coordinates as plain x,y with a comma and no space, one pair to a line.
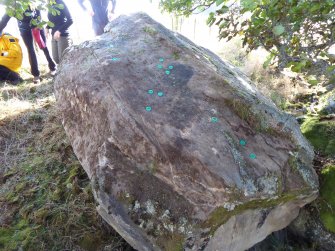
167,72
160,94
214,119
170,67
161,60
243,142
159,66
252,156
148,108
151,91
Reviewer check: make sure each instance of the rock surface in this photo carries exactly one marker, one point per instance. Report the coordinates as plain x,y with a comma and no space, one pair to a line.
182,150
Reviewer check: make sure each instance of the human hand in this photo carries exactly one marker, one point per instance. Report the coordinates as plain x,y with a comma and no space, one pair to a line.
57,35
91,13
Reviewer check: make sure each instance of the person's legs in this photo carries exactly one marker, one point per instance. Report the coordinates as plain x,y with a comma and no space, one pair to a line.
98,27
54,49
63,43
51,63
8,75
28,41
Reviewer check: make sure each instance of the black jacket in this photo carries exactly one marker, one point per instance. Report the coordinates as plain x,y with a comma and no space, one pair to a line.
61,22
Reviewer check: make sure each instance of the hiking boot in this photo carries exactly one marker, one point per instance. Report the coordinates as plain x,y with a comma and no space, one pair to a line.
36,79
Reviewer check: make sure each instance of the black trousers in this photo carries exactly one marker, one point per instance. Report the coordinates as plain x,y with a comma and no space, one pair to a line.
100,18
29,42
8,75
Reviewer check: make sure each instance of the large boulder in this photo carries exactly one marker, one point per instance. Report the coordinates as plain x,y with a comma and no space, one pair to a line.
182,150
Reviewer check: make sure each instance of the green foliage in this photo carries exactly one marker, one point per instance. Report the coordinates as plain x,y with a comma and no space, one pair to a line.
296,32
16,8
327,196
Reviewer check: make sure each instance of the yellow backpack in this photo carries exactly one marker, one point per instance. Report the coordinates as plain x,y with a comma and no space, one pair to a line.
11,53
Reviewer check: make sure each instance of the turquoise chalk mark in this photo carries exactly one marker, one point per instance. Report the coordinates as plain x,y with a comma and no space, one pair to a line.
148,108
151,91
214,119
170,67
167,72
252,156
243,142
160,94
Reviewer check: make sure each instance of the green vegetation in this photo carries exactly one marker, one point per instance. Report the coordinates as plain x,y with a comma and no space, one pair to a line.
16,8
286,29
321,134
327,197
173,242
46,200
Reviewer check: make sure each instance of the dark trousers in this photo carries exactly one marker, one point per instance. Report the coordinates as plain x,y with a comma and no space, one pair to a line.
100,18
29,42
7,74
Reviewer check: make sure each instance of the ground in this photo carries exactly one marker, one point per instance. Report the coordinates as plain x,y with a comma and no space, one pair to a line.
45,196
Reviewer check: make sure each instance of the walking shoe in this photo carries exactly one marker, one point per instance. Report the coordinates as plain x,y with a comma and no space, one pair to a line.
36,79
53,73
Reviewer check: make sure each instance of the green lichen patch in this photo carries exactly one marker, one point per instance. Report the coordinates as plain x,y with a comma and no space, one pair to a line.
221,215
327,197
172,242
257,121
321,134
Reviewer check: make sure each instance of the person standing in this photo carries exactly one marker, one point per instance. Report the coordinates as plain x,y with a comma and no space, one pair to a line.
25,27
60,35
99,13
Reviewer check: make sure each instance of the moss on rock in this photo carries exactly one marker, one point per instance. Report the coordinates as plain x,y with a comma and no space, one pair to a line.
327,194
321,134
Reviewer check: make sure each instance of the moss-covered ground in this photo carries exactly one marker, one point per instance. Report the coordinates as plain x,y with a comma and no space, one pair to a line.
45,196
327,197
321,134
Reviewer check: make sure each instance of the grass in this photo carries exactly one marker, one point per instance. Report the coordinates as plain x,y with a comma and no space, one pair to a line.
46,201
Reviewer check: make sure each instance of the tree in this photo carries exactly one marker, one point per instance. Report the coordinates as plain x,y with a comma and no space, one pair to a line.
297,33
16,8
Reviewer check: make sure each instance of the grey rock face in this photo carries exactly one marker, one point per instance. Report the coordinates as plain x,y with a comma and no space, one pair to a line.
329,106
182,150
